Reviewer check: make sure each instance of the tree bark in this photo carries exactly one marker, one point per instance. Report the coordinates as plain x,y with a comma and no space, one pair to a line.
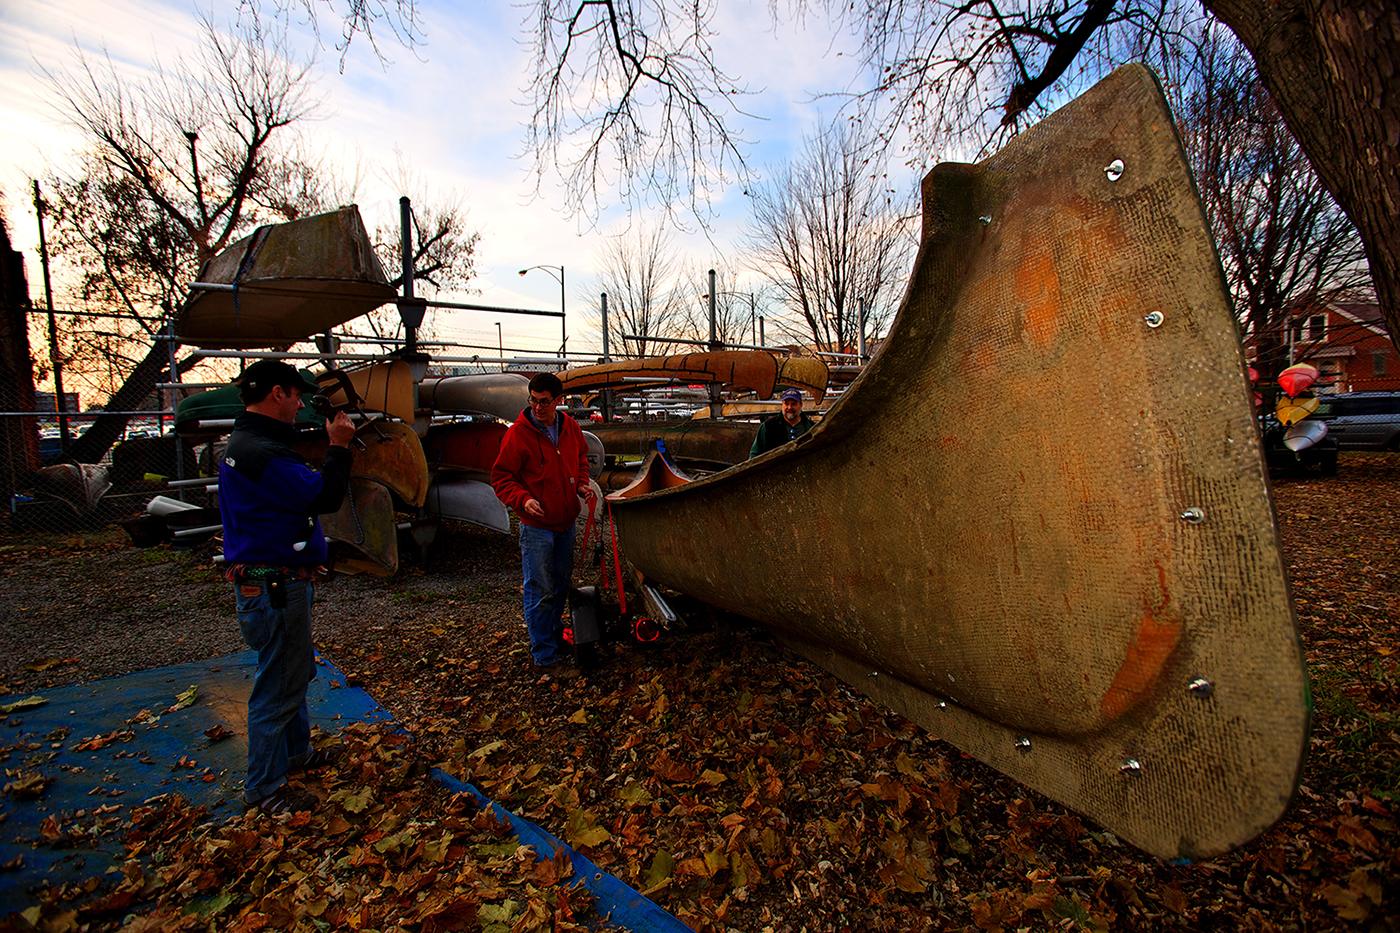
1333,67
19,438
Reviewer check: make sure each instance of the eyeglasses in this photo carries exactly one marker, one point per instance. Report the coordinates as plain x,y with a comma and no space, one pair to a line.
541,402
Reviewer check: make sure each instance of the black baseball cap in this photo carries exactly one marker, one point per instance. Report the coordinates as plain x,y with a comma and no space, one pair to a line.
262,376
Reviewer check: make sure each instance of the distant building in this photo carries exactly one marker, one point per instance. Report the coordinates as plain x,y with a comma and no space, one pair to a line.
47,402
1349,344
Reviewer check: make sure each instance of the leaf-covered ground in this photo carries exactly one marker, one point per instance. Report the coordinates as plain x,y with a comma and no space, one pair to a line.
736,784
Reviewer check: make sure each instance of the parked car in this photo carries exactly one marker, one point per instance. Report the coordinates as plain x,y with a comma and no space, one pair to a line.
1362,420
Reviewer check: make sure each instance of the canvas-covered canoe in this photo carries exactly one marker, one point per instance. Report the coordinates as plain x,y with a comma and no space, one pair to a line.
753,370
294,280
1090,597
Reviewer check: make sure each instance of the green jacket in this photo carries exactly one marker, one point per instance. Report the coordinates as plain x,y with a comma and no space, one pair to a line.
775,432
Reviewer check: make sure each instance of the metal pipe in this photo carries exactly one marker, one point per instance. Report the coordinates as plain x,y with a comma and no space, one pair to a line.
174,377
406,257
607,358
714,332
202,530
75,415
368,357
860,342
60,401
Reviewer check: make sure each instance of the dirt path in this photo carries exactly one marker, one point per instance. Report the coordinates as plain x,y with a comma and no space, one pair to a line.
746,788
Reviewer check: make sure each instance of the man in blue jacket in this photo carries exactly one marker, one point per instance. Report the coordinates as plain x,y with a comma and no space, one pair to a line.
269,497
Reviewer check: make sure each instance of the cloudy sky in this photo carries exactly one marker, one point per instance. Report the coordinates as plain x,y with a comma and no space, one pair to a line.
450,114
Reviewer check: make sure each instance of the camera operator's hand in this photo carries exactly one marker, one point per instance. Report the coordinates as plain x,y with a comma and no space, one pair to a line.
340,430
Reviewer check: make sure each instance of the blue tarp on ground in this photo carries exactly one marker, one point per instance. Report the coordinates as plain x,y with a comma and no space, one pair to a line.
135,755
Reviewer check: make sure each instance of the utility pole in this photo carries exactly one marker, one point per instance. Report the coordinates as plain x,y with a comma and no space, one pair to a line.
607,358
60,401
715,407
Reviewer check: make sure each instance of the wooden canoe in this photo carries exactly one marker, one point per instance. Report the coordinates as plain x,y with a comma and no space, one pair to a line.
363,536
385,387
295,280
501,395
753,370
1093,603
390,453
713,441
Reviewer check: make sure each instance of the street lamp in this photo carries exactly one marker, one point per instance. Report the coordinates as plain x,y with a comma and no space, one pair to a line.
500,346
563,329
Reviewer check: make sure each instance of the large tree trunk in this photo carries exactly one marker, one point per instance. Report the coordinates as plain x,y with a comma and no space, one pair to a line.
19,438
1333,66
106,429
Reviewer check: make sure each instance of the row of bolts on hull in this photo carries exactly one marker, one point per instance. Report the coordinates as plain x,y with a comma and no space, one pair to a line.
1200,687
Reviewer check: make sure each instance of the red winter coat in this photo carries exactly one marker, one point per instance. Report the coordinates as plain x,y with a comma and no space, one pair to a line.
530,467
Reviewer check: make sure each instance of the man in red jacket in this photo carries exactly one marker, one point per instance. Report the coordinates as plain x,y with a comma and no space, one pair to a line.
541,472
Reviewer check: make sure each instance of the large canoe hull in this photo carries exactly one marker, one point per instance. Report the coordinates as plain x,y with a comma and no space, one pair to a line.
1088,596
295,280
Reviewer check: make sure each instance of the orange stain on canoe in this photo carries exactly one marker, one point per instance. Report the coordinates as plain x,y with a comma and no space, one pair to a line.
1147,655
1038,288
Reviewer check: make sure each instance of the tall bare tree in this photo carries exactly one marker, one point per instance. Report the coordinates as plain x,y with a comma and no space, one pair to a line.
1284,243
627,95
985,67
177,168
735,305
639,277
832,237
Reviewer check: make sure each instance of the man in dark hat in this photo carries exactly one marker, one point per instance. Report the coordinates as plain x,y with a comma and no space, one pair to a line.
269,497
779,429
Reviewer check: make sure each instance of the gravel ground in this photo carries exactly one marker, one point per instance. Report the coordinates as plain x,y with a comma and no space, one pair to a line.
93,606
443,648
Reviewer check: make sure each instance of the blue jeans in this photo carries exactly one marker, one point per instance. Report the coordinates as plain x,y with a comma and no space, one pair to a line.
548,561
279,727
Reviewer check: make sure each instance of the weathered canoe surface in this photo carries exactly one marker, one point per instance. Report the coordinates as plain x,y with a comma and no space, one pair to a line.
295,280
748,408
756,370
386,387
77,485
714,441
1089,597
501,395
454,497
391,453
363,536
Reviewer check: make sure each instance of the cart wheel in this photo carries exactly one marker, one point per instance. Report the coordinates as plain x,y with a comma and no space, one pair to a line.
568,634
646,630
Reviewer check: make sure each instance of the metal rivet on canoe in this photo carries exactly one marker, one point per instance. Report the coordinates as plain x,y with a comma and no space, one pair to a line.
1131,767
873,674
984,219
1114,170
942,704
1193,516
1023,744
1154,318
1201,688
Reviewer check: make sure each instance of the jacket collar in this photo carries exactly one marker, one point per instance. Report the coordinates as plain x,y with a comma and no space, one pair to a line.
264,426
